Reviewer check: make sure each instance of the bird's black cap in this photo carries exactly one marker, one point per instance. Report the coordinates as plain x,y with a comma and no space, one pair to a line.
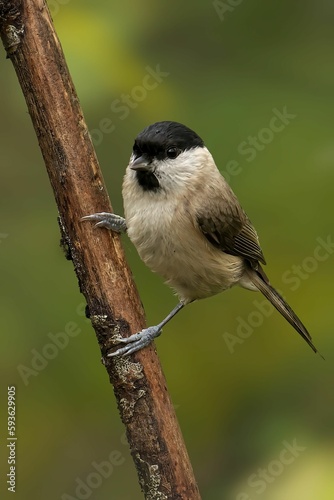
156,139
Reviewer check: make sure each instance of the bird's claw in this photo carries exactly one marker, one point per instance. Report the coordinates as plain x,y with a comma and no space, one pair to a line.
136,341
109,221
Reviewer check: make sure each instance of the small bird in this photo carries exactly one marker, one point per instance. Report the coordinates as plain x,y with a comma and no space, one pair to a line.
187,225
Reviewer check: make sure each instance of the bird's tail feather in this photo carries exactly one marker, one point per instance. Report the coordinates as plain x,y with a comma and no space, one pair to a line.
260,280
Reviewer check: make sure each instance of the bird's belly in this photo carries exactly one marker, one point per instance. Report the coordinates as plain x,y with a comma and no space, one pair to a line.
193,267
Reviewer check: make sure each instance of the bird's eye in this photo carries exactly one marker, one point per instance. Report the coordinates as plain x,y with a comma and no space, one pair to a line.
172,152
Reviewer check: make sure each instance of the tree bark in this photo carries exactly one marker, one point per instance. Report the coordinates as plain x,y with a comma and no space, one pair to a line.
114,306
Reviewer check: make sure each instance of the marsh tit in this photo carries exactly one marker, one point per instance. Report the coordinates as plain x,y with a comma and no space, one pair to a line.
187,225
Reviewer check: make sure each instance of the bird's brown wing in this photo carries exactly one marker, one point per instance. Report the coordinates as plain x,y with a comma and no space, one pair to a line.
228,228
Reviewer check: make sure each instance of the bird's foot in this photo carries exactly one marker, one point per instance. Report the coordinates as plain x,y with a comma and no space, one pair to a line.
137,341
109,221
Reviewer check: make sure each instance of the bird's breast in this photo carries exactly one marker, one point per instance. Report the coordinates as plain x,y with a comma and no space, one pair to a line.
171,244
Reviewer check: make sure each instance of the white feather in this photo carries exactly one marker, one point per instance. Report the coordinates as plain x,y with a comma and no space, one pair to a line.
162,226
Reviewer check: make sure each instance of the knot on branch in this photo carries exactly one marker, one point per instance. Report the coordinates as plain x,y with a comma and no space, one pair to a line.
11,24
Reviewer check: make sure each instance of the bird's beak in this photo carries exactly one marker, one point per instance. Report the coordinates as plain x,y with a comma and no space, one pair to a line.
140,163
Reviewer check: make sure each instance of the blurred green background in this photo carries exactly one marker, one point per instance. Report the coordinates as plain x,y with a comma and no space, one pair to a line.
241,392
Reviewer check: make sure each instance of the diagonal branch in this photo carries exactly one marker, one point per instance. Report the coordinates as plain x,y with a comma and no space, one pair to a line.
114,306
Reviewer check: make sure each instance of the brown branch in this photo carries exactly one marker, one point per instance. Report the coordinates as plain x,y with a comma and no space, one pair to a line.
154,436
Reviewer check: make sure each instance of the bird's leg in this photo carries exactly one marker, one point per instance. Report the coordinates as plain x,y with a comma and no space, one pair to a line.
110,221
139,340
